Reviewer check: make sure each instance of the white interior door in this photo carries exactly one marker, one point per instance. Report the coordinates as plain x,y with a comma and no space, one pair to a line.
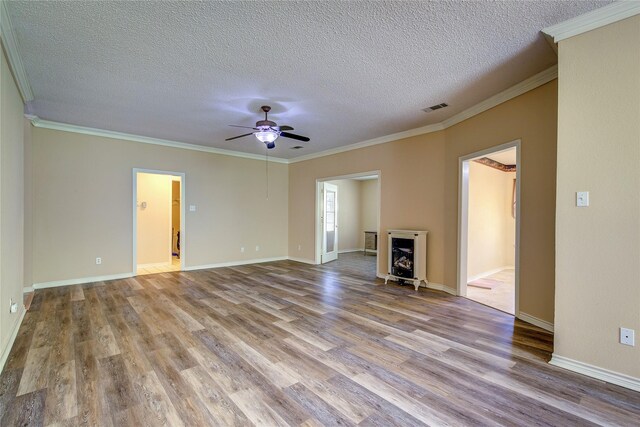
329,222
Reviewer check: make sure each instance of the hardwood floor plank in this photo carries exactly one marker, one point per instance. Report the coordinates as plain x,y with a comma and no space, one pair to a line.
285,343
36,371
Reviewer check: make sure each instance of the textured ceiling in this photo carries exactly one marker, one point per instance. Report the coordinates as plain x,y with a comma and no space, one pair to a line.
338,72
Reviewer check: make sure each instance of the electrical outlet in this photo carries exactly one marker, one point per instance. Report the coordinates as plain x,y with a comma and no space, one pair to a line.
242,249
192,208
627,337
13,306
98,261
257,248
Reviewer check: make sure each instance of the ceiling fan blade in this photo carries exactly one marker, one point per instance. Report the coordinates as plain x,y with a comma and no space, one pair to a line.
285,127
239,136
294,136
245,127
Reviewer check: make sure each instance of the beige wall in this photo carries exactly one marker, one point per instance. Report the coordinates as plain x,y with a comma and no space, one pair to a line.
11,205
412,173
598,247
368,208
422,173
531,118
83,204
491,226
348,213
154,219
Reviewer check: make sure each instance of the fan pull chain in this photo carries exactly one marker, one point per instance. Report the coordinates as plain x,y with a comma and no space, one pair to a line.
266,165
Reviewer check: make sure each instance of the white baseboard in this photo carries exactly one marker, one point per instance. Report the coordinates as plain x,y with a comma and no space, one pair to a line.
302,260
155,264
27,290
345,251
235,263
489,273
547,326
429,285
80,281
14,334
592,371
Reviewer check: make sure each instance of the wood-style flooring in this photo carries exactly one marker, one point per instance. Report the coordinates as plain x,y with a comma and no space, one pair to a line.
501,296
285,343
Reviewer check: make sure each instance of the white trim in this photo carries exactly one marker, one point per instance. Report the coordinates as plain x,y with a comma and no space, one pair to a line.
346,251
10,43
606,15
302,260
236,263
155,264
80,281
463,216
490,272
46,124
183,219
27,290
592,371
429,285
525,86
547,326
529,84
368,143
14,334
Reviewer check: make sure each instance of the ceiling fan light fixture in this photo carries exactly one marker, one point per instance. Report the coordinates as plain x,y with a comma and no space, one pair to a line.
267,136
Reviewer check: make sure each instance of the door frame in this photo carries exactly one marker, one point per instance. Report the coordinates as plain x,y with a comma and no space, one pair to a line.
183,219
336,237
318,208
463,215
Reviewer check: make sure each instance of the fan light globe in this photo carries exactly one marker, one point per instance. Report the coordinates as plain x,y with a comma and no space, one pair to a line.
266,136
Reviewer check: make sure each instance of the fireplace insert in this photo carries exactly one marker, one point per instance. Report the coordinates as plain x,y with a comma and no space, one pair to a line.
402,261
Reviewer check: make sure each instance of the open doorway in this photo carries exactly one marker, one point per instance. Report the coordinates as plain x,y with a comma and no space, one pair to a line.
158,221
489,227
347,218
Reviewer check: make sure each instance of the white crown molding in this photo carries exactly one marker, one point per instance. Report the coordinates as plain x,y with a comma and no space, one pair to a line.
46,124
592,371
10,43
7,350
368,143
606,15
80,281
525,86
543,324
529,84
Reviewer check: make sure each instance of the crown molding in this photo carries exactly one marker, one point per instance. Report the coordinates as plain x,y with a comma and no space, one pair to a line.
504,96
368,143
46,124
10,43
606,15
525,86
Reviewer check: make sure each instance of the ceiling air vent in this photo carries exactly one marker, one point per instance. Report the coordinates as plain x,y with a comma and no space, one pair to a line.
435,107
297,147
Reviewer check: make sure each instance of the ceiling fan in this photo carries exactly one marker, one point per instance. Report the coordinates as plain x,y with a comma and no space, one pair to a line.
268,131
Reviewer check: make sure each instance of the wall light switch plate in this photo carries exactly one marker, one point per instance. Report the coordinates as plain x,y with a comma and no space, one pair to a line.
192,208
582,199
627,337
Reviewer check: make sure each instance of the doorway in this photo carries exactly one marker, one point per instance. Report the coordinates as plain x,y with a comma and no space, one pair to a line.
489,224
347,220
158,221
